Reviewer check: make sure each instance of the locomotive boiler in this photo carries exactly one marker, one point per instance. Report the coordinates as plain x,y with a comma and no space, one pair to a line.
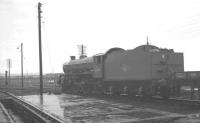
146,70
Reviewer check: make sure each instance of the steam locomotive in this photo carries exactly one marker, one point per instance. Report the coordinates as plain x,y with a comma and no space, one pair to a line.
146,70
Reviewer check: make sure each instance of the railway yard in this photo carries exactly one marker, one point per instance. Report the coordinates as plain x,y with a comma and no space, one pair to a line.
79,108
120,80
144,85
90,91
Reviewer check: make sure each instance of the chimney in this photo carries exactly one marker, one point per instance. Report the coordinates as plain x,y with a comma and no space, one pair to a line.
82,56
73,57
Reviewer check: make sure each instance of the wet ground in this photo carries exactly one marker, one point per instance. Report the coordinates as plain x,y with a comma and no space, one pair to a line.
75,109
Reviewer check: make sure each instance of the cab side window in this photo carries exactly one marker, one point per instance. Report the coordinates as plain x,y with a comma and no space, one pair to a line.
98,59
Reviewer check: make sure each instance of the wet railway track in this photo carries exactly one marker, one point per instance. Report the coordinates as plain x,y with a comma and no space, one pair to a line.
188,102
8,118
191,104
186,109
139,107
158,99
30,112
176,105
88,110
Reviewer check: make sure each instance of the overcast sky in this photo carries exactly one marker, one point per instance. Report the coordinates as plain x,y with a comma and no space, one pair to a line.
100,25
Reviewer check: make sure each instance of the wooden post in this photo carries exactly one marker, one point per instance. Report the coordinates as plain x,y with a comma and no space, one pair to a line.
6,78
22,65
40,47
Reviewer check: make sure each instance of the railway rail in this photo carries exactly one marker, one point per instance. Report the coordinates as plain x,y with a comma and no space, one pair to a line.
184,101
172,100
6,114
44,117
36,113
187,102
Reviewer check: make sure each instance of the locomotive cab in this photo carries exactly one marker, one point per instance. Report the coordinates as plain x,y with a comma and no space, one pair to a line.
98,66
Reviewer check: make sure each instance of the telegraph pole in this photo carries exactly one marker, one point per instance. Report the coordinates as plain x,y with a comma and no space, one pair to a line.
6,78
82,53
40,47
22,65
9,69
9,66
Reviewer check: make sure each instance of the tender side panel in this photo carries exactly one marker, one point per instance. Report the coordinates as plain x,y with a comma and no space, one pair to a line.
128,65
176,62
166,64
158,66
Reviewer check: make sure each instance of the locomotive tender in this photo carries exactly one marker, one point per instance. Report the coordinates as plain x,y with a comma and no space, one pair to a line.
146,70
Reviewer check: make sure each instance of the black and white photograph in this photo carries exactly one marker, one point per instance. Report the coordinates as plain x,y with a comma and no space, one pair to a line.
99,61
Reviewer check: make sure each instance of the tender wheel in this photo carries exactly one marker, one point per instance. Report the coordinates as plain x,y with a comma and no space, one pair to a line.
165,92
146,91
